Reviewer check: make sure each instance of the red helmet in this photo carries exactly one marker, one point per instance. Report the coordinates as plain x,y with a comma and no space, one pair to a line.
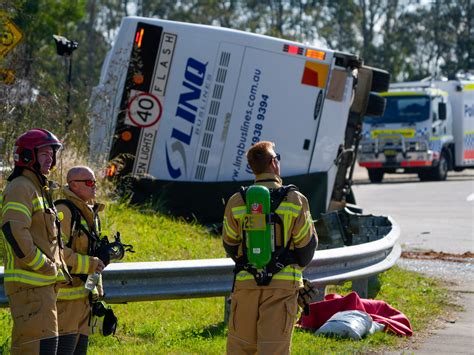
28,143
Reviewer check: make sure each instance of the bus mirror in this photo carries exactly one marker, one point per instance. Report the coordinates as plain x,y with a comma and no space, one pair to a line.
442,111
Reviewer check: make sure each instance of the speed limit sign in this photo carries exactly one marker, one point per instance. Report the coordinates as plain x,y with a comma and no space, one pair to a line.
144,109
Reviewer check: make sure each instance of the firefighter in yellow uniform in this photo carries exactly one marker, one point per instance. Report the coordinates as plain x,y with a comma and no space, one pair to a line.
34,263
264,309
80,228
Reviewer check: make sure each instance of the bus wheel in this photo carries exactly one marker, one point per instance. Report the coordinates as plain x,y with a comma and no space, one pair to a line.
375,105
380,80
375,175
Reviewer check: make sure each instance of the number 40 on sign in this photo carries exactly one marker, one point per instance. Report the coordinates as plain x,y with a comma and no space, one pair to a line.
144,109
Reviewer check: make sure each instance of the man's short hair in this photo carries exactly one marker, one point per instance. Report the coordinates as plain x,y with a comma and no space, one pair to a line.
259,156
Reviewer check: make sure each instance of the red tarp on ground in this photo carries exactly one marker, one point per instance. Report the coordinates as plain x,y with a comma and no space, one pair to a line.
380,311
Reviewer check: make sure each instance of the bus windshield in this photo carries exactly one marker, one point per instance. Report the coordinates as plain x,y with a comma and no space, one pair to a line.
403,109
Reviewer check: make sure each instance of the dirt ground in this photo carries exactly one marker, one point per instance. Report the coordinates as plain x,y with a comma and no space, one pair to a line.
432,255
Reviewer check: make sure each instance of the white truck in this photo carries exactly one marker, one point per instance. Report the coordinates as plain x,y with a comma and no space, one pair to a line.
427,128
178,105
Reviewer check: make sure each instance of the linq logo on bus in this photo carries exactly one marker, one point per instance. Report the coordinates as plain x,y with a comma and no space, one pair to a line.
185,112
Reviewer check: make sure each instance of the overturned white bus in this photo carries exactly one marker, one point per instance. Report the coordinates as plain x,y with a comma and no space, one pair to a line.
178,105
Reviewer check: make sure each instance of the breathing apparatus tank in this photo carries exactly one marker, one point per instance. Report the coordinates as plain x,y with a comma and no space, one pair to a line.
259,238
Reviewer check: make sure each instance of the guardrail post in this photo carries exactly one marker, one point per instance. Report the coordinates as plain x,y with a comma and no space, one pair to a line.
227,301
361,286
365,286
320,295
374,286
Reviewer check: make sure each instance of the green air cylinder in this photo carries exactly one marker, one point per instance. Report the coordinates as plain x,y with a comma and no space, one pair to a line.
258,231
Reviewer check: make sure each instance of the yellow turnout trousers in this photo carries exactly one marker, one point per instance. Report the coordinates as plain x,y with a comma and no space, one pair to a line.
73,316
34,318
261,321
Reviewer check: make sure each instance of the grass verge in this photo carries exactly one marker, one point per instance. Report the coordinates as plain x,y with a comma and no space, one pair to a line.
195,326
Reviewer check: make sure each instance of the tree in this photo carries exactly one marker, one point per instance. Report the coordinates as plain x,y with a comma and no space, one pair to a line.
411,39
455,36
339,26
37,99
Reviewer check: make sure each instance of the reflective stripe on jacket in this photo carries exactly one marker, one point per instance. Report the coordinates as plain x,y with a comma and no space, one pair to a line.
76,255
73,293
32,255
298,228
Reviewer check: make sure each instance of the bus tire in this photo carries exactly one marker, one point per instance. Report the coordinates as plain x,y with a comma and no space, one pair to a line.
375,175
380,80
350,197
376,105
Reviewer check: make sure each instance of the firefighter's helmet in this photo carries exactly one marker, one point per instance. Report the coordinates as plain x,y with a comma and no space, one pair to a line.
27,145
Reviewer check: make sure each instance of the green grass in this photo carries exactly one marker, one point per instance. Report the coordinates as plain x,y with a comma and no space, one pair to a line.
195,326
158,237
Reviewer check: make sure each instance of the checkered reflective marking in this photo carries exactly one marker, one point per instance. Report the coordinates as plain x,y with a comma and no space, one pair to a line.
469,140
365,133
421,131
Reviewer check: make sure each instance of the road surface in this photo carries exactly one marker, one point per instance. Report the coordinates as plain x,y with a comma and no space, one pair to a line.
434,215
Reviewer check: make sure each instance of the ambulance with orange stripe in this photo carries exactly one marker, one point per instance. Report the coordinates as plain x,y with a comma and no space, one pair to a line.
427,128
178,105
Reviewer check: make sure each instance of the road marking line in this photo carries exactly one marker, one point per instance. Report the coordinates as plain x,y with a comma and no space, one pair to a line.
470,198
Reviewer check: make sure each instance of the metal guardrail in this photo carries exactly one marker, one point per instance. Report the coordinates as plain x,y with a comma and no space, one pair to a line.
149,281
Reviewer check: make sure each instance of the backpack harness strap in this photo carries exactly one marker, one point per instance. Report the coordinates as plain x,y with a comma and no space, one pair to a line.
76,227
280,257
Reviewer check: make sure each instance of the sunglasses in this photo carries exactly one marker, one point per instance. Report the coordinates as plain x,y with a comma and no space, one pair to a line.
88,182
277,156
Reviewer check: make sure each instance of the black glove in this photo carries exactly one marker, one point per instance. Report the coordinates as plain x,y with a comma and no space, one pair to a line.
103,253
113,251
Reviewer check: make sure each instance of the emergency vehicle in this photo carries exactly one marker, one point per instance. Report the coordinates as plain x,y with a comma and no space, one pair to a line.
427,128
178,105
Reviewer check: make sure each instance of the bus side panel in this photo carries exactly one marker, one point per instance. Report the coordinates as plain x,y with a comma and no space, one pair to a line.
185,106
198,142
271,103
192,107
221,99
331,130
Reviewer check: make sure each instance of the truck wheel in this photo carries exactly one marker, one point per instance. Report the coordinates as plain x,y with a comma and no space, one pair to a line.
375,175
375,106
424,175
440,172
